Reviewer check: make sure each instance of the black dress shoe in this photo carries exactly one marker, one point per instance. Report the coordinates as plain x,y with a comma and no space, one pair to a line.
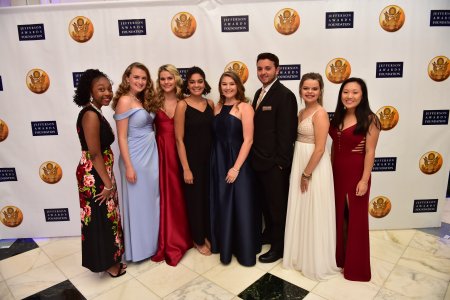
270,256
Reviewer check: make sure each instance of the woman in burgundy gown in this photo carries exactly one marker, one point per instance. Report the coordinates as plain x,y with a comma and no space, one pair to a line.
174,236
354,130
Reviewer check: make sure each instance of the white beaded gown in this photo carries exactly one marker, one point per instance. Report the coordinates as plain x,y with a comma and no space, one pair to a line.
310,235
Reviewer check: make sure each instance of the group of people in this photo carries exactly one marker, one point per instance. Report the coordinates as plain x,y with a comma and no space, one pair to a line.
204,174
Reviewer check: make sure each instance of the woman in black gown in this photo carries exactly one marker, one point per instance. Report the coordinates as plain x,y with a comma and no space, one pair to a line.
235,217
193,119
101,231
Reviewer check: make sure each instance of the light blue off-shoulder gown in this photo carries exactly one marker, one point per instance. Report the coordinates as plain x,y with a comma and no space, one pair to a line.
140,200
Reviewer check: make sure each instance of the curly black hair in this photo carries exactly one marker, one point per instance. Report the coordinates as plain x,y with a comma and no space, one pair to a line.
83,92
190,72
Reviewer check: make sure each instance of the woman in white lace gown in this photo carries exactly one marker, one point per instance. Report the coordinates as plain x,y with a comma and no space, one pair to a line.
310,236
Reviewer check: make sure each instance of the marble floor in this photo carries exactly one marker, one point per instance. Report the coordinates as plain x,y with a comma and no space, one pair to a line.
406,264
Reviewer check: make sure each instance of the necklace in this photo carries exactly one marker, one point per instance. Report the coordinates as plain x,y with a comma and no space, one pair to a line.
134,97
97,109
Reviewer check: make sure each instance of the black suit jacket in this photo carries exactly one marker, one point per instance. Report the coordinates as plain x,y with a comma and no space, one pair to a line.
275,130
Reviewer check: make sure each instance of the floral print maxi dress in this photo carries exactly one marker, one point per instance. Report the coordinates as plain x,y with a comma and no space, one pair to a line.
101,229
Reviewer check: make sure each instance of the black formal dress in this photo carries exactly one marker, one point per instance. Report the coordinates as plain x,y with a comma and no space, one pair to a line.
197,140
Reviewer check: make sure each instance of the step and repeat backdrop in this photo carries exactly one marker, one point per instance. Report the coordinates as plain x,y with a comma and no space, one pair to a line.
401,49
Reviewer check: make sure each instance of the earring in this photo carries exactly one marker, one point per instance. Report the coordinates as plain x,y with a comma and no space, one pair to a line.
91,99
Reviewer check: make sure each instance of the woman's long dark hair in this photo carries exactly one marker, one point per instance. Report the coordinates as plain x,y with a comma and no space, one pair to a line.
364,115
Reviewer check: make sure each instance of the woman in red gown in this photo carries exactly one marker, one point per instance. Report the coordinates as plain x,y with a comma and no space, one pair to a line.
174,236
354,130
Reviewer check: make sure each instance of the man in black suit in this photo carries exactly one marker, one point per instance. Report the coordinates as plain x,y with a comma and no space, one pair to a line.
275,132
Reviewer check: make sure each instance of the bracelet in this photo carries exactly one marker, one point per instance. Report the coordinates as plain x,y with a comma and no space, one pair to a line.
236,170
306,176
108,189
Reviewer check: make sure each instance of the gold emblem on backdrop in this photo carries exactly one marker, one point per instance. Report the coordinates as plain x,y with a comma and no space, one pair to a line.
439,68
239,68
338,70
388,116
392,18
430,162
81,29
286,21
37,81
3,130
183,25
11,216
50,172
379,207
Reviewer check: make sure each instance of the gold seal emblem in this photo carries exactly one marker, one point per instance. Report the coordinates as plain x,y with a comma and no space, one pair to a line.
379,207
338,70
439,68
183,25
37,81
239,68
286,21
430,162
11,216
50,172
3,130
81,29
388,116
392,18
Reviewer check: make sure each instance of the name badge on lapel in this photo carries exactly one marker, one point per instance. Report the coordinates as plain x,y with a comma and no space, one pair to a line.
266,108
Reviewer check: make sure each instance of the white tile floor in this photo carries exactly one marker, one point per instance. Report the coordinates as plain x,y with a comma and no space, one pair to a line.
406,264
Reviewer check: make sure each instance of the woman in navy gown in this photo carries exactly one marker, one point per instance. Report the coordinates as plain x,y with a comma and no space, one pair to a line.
235,215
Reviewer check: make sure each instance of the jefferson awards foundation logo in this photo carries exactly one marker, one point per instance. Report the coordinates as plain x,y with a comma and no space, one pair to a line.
56,214
183,25
50,172
289,72
339,20
132,27
389,69
11,216
338,70
435,117
384,164
4,130
379,207
287,21
388,116
439,68
440,18
425,205
81,29
8,174
37,81
392,18
44,128
234,23
239,68
31,32
430,162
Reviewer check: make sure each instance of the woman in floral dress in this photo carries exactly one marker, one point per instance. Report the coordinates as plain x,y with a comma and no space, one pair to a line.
101,230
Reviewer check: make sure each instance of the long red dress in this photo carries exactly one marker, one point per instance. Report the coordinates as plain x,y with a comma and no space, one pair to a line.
174,236
352,245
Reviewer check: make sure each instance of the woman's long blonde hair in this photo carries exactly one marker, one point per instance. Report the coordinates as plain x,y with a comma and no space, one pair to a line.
159,101
147,96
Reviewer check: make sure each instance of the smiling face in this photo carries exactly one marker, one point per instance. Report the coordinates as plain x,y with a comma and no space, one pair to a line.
196,84
228,88
351,95
167,82
101,91
137,80
310,91
267,72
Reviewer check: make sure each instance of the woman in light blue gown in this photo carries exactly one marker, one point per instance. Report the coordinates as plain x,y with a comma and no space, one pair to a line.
134,114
